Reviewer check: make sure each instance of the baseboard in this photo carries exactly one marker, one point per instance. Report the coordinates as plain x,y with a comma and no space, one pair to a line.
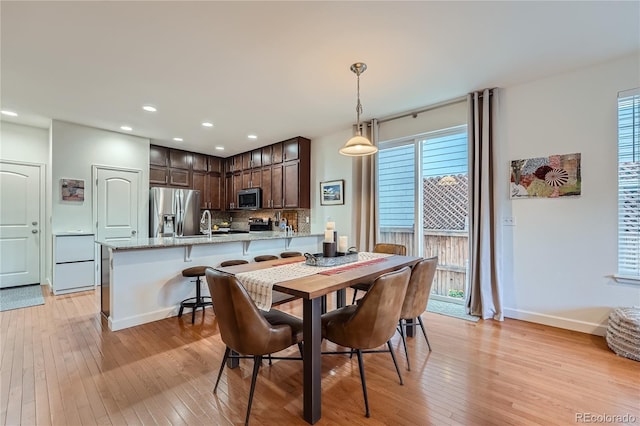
146,318
554,321
72,290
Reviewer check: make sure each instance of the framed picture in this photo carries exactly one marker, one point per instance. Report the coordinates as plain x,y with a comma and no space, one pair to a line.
72,189
332,192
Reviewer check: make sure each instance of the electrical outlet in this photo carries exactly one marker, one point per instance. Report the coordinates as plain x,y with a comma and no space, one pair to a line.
306,219
509,221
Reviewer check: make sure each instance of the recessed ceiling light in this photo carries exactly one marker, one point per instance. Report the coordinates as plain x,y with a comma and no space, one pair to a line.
252,137
9,113
220,148
207,124
126,128
178,139
149,108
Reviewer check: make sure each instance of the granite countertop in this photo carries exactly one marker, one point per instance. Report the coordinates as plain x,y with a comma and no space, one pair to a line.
146,243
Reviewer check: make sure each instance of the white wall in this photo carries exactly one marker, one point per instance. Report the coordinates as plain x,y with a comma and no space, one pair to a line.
75,149
559,258
328,164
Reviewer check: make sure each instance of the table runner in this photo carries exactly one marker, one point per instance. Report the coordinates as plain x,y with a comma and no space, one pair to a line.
259,283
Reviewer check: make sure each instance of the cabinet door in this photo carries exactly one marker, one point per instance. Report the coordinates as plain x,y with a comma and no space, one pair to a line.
230,197
276,186
246,160
215,192
246,179
291,184
200,162
200,181
276,153
158,176
291,151
180,159
158,156
215,164
267,153
256,178
179,177
265,181
256,158
237,183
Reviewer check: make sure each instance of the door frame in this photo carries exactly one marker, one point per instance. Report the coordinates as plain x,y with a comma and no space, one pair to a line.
94,206
45,239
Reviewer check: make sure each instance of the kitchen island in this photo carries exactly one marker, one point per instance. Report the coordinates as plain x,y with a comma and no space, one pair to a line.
142,278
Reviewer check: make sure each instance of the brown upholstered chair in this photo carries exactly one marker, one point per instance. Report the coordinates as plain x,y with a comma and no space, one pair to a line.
265,257
379,248
415,301
247,330
371,322
233,262
286,254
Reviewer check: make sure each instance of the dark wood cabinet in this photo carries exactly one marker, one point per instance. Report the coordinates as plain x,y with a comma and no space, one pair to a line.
276,153
180,159
277,201
267,153
215,164
291,149
158,176
158,156
180,178
200,163
291,184
256,158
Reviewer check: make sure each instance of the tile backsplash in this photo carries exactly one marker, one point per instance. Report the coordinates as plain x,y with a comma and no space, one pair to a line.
240,219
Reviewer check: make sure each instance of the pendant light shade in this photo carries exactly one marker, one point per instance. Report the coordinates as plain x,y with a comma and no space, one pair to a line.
358,145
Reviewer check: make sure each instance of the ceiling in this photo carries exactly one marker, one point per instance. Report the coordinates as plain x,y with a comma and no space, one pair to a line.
281,69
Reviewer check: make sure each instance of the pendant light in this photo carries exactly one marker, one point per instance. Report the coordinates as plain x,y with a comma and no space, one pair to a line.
358,145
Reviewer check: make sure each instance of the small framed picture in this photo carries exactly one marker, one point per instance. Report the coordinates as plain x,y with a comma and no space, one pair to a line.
332,192
72,189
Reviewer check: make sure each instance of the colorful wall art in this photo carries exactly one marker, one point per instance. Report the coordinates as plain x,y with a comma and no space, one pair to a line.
547,177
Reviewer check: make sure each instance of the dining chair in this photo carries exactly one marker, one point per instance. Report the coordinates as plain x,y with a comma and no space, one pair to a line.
416,299
246,330
379,248
370,323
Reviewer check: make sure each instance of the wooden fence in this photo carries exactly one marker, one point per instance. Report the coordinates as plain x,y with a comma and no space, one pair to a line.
452,249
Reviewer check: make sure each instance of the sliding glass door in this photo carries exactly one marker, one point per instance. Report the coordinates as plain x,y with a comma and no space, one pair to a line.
423,203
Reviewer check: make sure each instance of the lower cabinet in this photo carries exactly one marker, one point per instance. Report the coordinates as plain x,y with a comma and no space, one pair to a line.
75,267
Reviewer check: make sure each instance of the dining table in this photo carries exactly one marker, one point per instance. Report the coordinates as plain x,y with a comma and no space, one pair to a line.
313,289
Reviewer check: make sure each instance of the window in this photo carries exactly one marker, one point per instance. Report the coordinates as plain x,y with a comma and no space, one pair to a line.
629,185
423,203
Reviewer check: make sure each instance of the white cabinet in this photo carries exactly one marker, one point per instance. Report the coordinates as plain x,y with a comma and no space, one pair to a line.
74,268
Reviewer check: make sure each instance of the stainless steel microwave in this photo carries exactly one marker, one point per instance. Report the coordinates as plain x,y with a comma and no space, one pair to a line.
250,199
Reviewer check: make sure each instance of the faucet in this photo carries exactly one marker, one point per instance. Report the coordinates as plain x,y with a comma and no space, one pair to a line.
207,214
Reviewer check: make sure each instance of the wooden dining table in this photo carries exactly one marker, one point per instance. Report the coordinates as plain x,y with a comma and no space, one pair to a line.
313,290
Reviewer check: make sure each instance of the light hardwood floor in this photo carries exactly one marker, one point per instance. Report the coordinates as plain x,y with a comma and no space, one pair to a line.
60,365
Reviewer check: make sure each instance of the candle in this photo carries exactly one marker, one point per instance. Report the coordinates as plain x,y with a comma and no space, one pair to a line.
342,244
331,226
328,236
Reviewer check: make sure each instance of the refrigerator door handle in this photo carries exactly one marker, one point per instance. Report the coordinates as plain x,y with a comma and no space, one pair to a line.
179,213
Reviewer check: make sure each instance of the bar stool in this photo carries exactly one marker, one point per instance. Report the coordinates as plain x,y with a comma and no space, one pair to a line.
195,302
233,262
265,257
286,254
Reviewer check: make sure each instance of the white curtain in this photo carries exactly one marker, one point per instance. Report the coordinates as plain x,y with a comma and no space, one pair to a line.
485,281
364,188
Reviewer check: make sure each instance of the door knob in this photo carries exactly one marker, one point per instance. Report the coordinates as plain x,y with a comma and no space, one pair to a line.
133,232
34,223
34,231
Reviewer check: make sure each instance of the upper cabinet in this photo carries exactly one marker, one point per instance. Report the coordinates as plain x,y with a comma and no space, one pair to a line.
282,170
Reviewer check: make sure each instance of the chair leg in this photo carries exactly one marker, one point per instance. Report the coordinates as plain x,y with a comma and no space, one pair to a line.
364,382
224,360
395,362
257,360
424,332
301,349
270,360
353,301
403,334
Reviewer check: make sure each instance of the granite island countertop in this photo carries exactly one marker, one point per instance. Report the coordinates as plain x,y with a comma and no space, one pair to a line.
192,240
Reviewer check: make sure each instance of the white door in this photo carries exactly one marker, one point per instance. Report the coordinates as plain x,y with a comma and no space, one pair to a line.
19,224
117,195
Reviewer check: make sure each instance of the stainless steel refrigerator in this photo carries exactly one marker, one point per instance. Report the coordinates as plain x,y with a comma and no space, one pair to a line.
173,212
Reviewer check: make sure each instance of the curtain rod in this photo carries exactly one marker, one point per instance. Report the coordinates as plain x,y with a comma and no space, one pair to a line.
421,110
